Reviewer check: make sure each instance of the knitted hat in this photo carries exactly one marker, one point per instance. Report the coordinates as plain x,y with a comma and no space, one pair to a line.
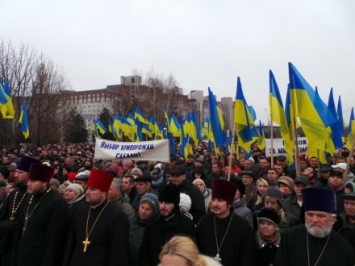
170,193
76,188
185,203
198,181
152,199
25,162
239,184
100,179
286,180
270,215
318,199
274,193
40,172
222,189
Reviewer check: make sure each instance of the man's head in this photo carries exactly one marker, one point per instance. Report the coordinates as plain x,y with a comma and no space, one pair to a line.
264,163
23,166
178,174
272,174
216,168
247,178
318,204
82,179
169,199
98,185
38,178
349,205
223,193
301,182
335,179
143,183
339,167
115,190
128,183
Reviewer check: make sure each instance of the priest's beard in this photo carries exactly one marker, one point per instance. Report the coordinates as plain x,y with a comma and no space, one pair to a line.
318,231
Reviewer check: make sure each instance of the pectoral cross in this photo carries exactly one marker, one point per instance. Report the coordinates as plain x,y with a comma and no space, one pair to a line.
12,218
217,257
86,242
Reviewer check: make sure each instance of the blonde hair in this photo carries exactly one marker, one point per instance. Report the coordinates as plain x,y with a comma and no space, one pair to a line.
259,199
184,247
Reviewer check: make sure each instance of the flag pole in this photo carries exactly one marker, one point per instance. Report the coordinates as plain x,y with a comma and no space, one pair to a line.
271,140
230,156
346,173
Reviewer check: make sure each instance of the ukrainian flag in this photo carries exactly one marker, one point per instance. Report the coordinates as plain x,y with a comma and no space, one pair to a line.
6,106
24,121
351,130
278,115
315,117
139,115
216,119
243,120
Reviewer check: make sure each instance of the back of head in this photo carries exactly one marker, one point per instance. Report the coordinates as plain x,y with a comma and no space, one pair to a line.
183,247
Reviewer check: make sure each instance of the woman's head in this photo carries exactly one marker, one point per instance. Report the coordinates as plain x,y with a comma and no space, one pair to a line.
72,192
182,251
261,185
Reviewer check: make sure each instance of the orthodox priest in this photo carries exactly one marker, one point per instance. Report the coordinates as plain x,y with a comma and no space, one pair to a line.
315,243
44,221
11,210
99,234
223,235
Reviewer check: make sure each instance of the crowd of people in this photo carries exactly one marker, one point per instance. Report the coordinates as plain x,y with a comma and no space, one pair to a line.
61,206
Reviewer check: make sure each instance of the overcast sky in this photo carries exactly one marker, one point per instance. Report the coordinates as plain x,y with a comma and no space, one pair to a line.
202,43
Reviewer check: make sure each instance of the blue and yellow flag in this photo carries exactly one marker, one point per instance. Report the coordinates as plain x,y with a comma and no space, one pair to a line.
336,128
139,115
6,106
24,121
100,126
340,118
216,119
313,114
117,131
243,120
278,115
351,130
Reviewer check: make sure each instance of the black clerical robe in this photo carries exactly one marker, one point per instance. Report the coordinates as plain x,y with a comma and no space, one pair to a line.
43,241
9,229
293,249
108,239
238,247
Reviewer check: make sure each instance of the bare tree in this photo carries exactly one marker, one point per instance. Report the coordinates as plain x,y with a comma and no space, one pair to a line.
34,79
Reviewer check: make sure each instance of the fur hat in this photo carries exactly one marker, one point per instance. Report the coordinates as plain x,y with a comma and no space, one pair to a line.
318,199
152,199
76,188
170,193
274,193
222,189
25,162
100,179
286,180
185,203
40,172
270,215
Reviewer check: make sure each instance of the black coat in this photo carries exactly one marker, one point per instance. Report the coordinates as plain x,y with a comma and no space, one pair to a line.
158,232
238,247
43,241
293,249
108,240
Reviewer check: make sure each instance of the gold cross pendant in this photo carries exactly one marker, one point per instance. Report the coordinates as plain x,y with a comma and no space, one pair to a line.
86,242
